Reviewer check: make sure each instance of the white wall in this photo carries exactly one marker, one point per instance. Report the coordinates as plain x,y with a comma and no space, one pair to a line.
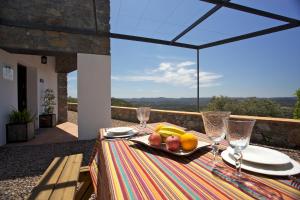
94,94
8,93
8,89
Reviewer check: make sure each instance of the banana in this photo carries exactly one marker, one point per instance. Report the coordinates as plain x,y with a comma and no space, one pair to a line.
172,129
166,133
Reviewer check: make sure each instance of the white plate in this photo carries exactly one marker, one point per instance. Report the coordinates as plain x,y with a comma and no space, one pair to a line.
111,135
119,130
291,168
263,155
144,140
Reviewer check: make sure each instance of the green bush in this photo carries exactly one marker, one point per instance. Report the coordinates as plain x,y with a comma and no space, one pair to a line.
20,117
250,106
297,106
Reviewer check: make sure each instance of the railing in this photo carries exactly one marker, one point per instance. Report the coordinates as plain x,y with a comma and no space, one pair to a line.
277,132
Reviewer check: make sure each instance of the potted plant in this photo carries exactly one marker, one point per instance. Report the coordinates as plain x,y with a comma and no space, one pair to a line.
48,118
20,127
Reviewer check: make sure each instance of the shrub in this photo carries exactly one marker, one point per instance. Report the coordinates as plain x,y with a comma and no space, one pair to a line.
20,117
297,106
48,101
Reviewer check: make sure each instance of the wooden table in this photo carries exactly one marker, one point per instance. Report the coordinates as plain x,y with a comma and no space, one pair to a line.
122,169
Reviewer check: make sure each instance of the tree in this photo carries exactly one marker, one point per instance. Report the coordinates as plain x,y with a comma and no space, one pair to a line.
297,105
250,106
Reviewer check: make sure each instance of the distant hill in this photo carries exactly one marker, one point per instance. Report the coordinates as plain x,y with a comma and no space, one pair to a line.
120,102
190,104
114,102
183,104
285,101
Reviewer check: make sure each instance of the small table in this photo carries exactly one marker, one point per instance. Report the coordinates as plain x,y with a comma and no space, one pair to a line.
121,169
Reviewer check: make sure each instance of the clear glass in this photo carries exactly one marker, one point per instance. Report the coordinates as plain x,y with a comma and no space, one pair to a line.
140,116
215,125
238,136
146,115
143,115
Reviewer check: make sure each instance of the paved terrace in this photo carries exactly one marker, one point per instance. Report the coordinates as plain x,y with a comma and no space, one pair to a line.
23,164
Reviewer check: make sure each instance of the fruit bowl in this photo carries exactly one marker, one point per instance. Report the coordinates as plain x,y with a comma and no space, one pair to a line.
144,140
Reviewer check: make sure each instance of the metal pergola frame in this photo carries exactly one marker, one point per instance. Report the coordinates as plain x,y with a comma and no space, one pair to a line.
289,23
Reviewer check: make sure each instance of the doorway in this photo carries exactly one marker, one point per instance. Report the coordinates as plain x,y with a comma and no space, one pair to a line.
22,87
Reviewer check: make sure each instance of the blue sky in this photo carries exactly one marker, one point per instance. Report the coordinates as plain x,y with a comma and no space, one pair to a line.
265,66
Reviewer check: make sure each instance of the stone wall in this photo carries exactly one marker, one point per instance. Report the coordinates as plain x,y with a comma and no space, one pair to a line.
52,27
72,107
277,132
62,99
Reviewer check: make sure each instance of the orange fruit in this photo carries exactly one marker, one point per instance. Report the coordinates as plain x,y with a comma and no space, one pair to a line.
188,142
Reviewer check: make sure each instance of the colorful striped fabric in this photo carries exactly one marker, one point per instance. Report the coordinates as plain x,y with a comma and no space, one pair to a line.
131,171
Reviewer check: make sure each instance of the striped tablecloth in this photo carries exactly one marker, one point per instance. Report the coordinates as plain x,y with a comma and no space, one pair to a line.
121,169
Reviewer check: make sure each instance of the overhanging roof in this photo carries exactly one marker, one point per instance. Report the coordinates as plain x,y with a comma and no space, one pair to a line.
289,23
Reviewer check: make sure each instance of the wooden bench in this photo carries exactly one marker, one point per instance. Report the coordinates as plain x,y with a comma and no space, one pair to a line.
61,179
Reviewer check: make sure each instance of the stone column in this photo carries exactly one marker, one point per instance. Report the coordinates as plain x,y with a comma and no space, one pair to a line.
62,97
94,94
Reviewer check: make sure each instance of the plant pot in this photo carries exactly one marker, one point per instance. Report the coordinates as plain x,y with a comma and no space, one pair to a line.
19,132
47,120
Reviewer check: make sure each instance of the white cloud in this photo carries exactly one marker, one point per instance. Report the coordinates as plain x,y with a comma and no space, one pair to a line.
186,64
115,78
164,66
178,74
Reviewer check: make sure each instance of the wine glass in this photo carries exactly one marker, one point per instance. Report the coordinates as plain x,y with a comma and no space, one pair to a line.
146,115
238,136
215,125
140,115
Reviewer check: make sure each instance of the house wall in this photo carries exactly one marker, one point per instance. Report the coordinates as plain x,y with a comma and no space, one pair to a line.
8,89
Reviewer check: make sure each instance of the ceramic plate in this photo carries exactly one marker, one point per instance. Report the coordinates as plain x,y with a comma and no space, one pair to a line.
119,130
263,155
111,135
144,140
291,168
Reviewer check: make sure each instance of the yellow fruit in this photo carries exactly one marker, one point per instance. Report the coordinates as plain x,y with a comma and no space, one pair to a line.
188,142
158,127
165,133
172,129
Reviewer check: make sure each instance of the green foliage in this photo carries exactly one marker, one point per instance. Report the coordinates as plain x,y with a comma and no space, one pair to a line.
250,106
297,106
48,101
72,99
20,117
120,102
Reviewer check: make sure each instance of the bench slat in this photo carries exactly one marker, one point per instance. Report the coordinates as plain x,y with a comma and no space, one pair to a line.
66,184
48,180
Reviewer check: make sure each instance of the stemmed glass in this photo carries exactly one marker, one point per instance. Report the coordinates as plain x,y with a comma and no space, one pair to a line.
215,124
143,115
238,136
146,116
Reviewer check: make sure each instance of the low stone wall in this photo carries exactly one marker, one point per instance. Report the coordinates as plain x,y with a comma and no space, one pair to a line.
72,107
277,132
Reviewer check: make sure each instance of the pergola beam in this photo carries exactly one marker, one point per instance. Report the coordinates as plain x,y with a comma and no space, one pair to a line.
198,21
151,40
249,35
253,11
